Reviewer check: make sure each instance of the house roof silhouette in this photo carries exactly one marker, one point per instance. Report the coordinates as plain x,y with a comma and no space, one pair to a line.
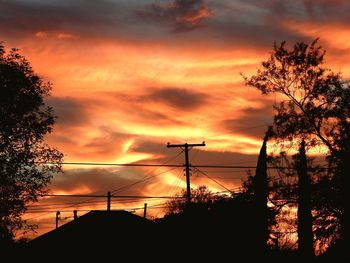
97,230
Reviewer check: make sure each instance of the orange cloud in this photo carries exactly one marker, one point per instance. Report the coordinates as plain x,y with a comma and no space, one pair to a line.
201,14
181,15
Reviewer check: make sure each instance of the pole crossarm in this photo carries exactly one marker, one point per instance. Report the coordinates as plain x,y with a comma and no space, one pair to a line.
184,145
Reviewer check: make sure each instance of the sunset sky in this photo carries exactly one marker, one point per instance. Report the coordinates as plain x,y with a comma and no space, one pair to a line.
131,75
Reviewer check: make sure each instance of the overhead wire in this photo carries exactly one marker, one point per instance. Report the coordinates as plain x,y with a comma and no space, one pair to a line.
182,165
94,203
106,164
132,184
215,181
147,177
88,210
173,188
114,164
105,196
173,166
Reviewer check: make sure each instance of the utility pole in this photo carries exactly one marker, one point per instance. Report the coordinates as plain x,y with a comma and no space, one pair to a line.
57,218
187,147
145,211
109,201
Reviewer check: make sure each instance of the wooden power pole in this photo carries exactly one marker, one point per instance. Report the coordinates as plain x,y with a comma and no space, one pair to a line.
187,147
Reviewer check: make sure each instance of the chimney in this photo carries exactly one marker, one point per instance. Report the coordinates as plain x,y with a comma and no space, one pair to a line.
75,212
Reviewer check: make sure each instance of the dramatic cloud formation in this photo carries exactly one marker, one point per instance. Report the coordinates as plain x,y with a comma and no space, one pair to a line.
130,76
181,15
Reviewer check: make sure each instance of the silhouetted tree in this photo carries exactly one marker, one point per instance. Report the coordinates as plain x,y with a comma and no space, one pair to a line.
317,108
24,121
201,199
284,195
327,210
215,226
274,223
261,191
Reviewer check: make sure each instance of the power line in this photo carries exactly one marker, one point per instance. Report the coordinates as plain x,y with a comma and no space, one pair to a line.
238,167
65,204
35,217
141,181
114,164
104,196
224,171
235,163
215,181
221,177
149,176
172,165
87,203
97,196
47,212
87,210
132,184
175,183
51,211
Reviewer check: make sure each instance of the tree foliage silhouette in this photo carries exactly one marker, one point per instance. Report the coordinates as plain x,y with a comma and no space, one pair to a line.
211,217
315,106
24,121
201,199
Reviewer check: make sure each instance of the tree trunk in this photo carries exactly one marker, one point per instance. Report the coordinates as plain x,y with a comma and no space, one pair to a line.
305,235
344,173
